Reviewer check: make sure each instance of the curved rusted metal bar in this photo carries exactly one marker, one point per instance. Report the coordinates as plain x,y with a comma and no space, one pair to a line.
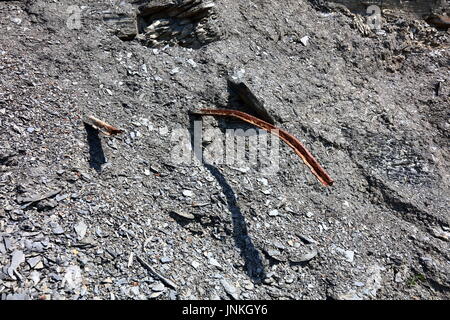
289,139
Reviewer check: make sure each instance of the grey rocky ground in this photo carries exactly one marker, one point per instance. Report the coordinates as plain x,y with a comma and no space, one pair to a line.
81,214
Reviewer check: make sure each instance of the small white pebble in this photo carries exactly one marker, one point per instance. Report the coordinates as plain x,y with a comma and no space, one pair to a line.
174,71
305,40
309,214
188,193
274,213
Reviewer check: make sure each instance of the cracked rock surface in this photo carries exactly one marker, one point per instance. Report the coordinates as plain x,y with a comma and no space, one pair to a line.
87,216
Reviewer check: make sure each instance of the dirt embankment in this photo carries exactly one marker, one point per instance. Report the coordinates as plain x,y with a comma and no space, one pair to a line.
84,216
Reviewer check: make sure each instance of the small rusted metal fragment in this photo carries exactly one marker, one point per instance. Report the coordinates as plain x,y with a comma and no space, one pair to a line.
440,22
289,139
104,127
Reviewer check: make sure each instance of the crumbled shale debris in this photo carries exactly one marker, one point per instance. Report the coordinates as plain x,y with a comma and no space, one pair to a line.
130,223
188,23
